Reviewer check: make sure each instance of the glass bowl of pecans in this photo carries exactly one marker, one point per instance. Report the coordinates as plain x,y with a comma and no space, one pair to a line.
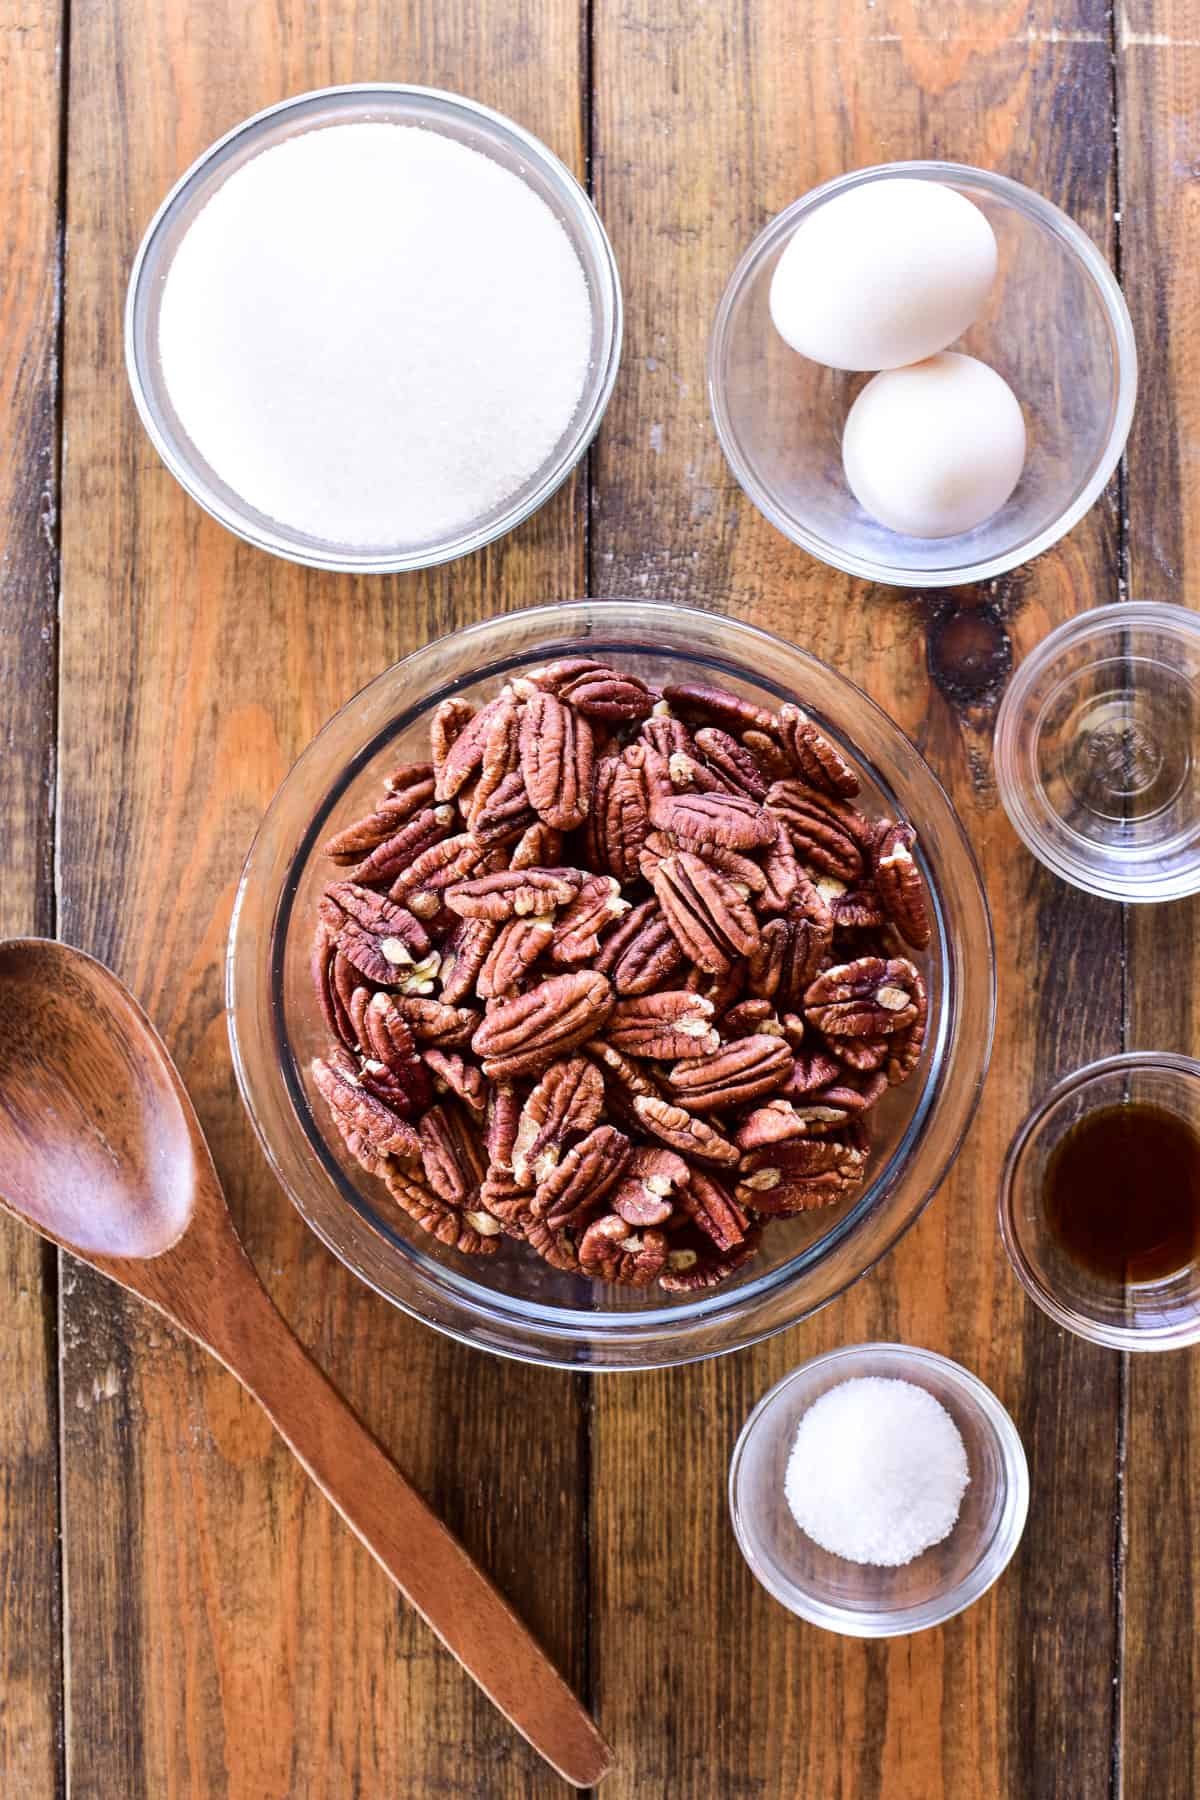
610,984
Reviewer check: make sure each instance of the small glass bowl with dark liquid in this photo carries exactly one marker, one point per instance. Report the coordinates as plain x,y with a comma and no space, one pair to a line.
1100,1202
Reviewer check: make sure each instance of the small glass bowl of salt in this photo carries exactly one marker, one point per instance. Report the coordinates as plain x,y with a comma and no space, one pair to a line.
878,1490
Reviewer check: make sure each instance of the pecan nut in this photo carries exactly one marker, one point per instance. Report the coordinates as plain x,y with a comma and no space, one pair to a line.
372,1132
733,1075
713,1211
645,1194
513,893
664,1026
522,1035
452,1158
688,1269
610,1250
430,1021
827,834
619,820
900,885
868,998
574,1189
517,946
818,761
581,925
717,706
453,1074
597,691
642,953
738,765
474,1234
684,1132
730,821
800,1175
394,854
567,1100
413,792
712,924
556,761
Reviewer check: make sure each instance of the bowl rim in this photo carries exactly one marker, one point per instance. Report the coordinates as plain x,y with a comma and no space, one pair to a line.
1024,199
638,1340
599,384
1142,886
1094,1331
983,1574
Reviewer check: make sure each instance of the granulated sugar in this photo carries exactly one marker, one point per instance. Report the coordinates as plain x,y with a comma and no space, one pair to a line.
375,334
877,1471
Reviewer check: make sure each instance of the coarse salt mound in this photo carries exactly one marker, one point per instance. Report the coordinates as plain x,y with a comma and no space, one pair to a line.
374,334
877,1471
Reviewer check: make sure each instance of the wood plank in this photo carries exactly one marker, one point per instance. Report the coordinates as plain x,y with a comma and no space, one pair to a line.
227,1636
30,1587
708,121
1159,99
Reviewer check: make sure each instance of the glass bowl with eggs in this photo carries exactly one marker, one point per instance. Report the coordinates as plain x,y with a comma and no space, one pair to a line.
550,1007
923,373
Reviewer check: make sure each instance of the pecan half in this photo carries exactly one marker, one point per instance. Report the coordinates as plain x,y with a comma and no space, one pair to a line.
464,956
738,765
358,840
463,740
711,921
688,1270
713,1211
453,1074
610,1250
790,951
619,821
333,995
524,1034
372,1132
781,872
473,1234
641,953
503,812
683,1132
556,761
452,860
663,1026
900,885
567,1100
821,834
798,1176
395,853
596,690
538,847
379,937
731,821
867,998
580,926
904,1049
571,1192
737,1073
517,946
717,706
514,893
452,1158
430,1021
819,762
645,1194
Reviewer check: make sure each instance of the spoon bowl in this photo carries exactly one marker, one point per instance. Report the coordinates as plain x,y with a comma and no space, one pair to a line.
95,1149
102,1152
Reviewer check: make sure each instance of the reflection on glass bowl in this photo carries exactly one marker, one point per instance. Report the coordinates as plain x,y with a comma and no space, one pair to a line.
514,1303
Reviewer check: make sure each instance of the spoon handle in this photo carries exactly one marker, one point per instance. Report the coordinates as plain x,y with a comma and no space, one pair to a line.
424,1559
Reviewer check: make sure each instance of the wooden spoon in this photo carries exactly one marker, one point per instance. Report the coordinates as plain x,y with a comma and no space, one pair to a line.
101,1152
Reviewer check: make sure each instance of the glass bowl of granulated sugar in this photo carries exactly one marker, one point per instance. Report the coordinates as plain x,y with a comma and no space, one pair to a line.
373,328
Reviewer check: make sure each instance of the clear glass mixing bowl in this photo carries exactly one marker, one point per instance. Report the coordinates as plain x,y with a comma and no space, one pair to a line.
480,129
1056,327
514,1303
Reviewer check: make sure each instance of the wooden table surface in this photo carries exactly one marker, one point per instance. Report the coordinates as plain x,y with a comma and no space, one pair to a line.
182,1615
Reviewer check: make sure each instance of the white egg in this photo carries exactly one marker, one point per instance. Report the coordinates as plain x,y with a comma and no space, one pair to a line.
936,448
884,274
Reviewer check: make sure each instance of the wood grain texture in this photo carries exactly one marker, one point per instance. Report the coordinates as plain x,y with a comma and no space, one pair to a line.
709,120
227,1636
30,1595
1158,52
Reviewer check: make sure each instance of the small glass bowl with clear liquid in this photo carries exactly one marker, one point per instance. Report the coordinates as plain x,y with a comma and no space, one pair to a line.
1098,753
